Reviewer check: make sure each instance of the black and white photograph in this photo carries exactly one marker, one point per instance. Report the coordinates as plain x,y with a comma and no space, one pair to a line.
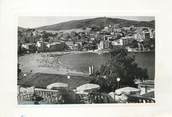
85,60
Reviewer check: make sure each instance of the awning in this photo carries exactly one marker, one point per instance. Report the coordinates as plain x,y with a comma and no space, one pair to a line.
127,90
82,92
57,85
88,87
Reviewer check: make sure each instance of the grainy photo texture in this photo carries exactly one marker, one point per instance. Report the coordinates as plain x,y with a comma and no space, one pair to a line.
86,60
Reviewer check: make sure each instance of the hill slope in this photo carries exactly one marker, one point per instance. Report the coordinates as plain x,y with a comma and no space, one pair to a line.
101,22
21,29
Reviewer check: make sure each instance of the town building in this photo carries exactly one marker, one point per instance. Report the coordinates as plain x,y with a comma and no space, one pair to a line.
41,46
29,47
127,40
101,45
118,42
104,44
70,44
139,37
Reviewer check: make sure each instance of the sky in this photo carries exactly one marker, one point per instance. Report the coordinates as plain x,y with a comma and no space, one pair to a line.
37,21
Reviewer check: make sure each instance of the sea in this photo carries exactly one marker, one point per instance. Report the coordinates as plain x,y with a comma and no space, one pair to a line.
81,62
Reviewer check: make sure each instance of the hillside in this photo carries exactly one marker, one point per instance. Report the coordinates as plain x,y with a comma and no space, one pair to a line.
21,29
101,22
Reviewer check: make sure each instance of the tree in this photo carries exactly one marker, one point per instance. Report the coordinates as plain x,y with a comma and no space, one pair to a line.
95,28
121,65
134,44
149,43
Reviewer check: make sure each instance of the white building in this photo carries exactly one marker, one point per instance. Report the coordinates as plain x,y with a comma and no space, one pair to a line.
103,45
118,42
139,37
38,44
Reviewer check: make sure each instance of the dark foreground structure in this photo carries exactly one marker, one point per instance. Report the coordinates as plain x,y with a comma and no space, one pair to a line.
41,88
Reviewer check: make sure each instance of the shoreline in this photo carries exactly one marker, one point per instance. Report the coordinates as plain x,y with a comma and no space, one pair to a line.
50,62
97,51
44,63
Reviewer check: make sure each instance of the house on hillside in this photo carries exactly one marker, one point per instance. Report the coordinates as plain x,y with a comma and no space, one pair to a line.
29,47
104,44
139,37
118,42
77,47
127,40
143,33
41,46
70,44
152,33
56,46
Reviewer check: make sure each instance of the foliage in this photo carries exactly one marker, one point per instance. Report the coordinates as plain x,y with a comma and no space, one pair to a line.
149,43
134,44
121,65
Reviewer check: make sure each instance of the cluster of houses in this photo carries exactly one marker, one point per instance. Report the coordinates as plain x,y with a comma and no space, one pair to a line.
107,38
137,35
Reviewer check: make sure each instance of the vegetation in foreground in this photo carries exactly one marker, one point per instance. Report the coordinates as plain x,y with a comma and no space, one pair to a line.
120,66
